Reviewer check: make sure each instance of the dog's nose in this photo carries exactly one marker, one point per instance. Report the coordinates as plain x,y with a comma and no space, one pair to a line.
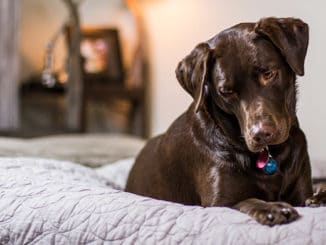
262,133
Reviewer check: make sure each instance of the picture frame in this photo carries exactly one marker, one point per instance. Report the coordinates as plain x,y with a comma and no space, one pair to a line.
101,55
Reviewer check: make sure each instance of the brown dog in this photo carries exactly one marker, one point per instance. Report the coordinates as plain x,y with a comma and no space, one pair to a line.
243,82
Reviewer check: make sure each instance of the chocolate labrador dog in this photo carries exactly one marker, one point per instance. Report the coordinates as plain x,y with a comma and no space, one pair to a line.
239,144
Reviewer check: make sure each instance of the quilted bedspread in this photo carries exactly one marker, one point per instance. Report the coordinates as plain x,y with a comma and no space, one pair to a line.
55,202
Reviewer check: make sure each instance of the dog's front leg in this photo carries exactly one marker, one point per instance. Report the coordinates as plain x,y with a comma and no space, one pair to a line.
268,213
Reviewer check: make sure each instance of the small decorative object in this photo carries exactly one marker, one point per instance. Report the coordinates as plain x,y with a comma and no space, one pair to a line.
48,76
266,162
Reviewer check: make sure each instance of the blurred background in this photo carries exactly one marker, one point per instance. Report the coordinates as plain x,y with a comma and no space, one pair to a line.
125,80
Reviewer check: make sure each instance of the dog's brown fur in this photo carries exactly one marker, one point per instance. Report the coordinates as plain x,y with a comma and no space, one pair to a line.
244,90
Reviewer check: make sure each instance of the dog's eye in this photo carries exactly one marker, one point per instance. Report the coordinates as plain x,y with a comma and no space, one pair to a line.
267,76
226,92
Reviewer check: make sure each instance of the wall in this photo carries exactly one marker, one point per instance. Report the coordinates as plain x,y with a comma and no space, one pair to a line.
175,27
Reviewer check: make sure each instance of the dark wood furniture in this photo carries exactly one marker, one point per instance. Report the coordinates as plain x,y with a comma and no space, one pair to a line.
106,86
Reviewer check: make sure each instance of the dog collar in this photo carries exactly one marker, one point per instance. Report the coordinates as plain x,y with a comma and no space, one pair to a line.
266,162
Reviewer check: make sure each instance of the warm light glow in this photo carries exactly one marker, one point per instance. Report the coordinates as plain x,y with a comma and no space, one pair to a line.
62,77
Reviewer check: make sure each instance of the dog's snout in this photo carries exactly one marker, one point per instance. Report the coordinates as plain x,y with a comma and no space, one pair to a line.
262,133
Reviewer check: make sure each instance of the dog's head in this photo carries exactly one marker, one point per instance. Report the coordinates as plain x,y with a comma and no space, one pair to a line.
249,70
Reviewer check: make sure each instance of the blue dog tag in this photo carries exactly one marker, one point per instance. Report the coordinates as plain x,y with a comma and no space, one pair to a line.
270,167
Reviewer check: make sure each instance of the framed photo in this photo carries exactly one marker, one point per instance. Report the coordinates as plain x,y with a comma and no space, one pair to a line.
101,52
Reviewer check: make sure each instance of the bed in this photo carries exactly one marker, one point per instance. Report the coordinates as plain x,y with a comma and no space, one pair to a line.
57,201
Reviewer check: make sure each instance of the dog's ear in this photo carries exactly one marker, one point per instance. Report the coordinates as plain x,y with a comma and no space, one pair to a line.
192,73
290,36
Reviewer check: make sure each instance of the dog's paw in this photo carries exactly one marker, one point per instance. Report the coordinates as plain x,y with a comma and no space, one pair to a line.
274,213
317,200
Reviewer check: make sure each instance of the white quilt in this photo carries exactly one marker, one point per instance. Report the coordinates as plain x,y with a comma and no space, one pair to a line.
54,202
